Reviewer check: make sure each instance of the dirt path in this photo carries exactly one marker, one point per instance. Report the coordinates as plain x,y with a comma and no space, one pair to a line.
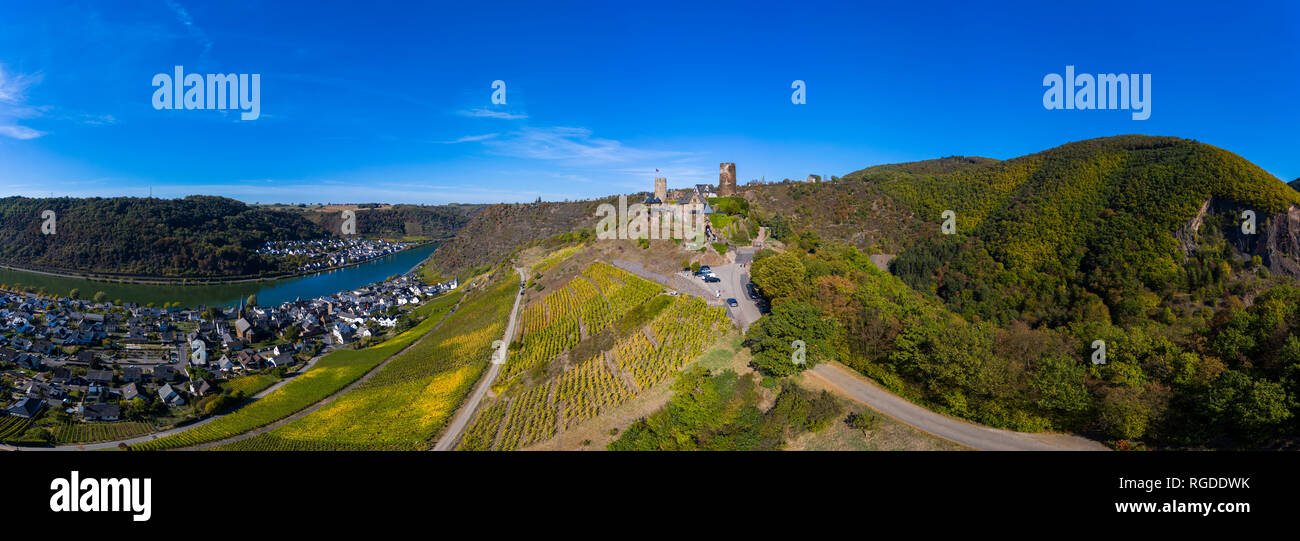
458,423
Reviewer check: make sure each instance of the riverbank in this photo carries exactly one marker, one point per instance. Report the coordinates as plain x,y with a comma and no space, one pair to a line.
190,281
269,291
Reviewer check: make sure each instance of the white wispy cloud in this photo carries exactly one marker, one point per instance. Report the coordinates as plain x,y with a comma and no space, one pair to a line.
19,132
479,112
13,104
574,145
188,22
472,138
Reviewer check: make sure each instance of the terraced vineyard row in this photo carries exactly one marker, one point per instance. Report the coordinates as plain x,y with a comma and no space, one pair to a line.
406,404
531,419
685,329
623,290
78,432
588,389
267,442
482,433
551,327
250,385
330,374
12,427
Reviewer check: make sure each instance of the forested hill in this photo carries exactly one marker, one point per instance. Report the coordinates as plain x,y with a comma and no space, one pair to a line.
434,221
497,230
1295,184
1086,222
937,166
1111,287
195,236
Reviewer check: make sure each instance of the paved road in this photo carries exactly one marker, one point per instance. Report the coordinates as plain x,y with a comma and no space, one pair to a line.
861,389
734,276
466,412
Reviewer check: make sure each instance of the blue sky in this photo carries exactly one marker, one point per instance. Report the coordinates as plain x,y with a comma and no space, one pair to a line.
381,101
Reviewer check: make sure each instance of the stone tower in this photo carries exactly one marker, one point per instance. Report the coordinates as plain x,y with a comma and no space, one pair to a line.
661,189
726,179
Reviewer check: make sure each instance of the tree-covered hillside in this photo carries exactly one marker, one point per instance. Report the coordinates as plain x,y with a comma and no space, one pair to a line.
433,221
195,236
1133,242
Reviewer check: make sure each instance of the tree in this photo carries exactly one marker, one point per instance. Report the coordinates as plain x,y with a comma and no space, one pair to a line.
778,227
74,294
213,313
252,301
773,339
858,421
1263,409
100,296
779,276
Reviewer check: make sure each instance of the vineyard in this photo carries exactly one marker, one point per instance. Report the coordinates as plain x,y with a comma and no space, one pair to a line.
330,374
11,428
78,432
408,402
589,303
249,385
596,385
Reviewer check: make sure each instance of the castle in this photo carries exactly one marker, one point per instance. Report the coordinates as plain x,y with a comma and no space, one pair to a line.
726,179
701,193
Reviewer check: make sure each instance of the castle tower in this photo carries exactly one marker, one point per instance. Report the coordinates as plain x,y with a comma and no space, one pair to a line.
661,188
726,179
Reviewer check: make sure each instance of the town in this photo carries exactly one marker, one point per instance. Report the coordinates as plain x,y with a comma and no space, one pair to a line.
330,253
75,361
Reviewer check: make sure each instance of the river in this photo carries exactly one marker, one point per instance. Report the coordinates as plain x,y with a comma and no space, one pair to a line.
269,292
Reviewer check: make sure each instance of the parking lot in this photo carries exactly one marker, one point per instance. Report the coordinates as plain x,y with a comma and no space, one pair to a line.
732,285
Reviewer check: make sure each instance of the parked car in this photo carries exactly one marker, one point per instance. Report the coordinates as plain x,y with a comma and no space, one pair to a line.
711,279
732,303
752,290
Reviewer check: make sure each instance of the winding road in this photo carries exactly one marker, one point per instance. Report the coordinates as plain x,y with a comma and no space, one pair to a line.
848,383
466,412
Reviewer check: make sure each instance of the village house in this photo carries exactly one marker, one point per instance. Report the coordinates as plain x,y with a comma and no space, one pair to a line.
169,396
101,412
